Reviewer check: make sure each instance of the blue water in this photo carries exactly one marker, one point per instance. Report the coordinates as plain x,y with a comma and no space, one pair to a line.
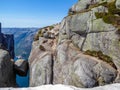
22,81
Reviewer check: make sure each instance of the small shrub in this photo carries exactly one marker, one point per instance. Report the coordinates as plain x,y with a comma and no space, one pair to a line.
51,27
100,15
101,56
41,48
118,32
36,37
110,19
40,33
112,8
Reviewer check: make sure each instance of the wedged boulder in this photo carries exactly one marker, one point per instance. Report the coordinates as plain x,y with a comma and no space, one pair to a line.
21,67
7,75
72,67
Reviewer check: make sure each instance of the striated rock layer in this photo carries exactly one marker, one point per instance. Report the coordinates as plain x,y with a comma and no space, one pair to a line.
83,50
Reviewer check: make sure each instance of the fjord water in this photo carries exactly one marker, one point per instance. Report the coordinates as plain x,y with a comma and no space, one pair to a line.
23,38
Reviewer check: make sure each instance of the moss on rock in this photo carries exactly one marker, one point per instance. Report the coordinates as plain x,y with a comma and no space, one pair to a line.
101,56
42,48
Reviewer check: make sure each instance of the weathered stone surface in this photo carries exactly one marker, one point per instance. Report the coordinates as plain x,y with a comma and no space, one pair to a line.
41,62
71,67
7,42
99,25
21,67
79,31
107,42
82,5
118,4
77,40
7,75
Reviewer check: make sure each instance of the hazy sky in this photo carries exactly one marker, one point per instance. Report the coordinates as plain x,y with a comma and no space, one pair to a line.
33,13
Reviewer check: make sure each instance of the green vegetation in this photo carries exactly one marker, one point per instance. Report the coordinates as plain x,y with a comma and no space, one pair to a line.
36,37
40,32
101,56
100,15
113,15
41,48
51,27
110,17
112,8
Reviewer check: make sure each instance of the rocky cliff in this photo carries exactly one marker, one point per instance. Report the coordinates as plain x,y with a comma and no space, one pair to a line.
9,68
7,42
83,50
7,75
21,36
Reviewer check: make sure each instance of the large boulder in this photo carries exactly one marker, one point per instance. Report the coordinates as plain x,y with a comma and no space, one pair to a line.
107,42
7,75
21,67
72,67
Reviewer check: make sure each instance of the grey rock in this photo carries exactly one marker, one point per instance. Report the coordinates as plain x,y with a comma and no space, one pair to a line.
71,67
21,67
99,25
7,75
118,4
82,5
7,42
107,42
41,62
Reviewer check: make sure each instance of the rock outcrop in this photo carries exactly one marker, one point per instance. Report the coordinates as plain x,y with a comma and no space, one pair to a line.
9,68
83,50
21,67
7,75
7,42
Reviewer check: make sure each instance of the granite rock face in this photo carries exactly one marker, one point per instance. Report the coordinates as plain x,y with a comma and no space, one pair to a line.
72,67
81,31
41,62
7,75
7,43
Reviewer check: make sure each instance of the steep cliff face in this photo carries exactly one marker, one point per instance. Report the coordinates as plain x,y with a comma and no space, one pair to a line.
7,75
83,51
21,36
7,42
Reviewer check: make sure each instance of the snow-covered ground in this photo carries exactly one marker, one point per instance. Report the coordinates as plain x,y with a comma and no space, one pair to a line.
64,87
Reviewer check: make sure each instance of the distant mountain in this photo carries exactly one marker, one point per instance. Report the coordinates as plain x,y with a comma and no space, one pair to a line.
23,40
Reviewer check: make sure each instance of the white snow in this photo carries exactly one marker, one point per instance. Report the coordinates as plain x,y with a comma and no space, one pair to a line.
65,87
